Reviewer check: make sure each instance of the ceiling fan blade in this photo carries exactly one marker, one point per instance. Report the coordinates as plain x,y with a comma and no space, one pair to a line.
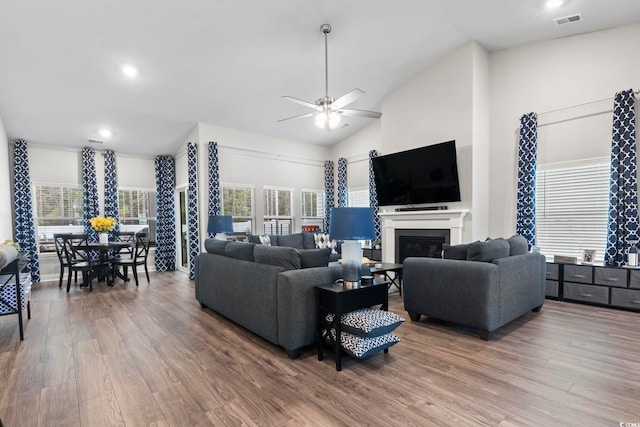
301,102
297,117
360,113
347,98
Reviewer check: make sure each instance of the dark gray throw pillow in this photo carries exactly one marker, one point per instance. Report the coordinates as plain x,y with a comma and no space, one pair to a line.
280,256
214,246
455,251
291,240
310,258
308,240
518,245
240,250
488,251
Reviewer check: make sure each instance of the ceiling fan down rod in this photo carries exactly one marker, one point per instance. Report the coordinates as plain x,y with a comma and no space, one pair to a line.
326,29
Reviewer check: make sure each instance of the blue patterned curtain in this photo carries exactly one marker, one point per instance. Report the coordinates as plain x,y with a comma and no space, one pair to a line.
526,203
192,207
25,229
111,207
342,182
623,198
166,222
328,193
214,182
373,195
90,205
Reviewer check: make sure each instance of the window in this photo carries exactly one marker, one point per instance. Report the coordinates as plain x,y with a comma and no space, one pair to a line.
137,210
312,208
277,210
358,198
237,201
58,209
572,203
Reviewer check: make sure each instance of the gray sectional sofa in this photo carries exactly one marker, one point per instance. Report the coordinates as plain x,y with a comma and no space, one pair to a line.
269,290
482,285
303,240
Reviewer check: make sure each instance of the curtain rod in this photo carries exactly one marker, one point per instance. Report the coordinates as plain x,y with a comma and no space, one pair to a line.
635,95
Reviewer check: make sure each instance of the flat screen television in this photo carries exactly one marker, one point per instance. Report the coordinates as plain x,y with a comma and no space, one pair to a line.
422,175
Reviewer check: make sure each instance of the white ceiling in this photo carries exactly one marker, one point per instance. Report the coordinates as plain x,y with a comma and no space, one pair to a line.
228,62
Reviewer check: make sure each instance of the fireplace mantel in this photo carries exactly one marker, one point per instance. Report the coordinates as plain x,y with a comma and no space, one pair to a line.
452,220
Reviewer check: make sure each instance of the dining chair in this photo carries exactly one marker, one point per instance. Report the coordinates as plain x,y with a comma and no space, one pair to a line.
72,260
138,257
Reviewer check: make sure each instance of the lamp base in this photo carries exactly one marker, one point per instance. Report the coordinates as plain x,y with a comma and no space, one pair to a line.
351,261
351,285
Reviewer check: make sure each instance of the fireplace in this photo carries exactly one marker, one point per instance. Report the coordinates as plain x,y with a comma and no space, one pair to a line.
419,243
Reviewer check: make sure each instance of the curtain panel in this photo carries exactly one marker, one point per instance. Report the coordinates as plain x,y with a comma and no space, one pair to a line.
111,207
328,193
90,204
192,207
373,195
25,231
526,197
215,204
623,199
166,223
342,182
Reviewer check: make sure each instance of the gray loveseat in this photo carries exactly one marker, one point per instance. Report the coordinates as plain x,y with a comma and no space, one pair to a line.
482,285
266,289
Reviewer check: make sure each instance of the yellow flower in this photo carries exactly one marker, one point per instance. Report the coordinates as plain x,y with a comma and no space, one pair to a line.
102,224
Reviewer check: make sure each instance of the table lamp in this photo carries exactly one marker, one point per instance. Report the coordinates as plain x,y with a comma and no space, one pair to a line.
220,224
351,225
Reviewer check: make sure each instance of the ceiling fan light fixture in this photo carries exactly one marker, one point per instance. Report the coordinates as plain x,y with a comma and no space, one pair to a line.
328,120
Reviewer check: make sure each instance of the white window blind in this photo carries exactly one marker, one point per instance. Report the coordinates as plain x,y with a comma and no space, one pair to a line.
358,197
572,203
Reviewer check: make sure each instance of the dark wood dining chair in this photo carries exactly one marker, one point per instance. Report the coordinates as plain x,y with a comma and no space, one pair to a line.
138,257
72,260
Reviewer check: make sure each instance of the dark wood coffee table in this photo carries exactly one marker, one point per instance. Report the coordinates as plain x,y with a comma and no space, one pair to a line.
385,269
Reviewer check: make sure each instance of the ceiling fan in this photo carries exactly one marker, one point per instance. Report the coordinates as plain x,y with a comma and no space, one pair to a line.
328,110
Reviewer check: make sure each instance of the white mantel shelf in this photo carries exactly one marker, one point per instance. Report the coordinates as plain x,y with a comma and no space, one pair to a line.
450,219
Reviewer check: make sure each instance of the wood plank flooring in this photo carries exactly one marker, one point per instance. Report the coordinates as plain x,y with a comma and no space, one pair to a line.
128,356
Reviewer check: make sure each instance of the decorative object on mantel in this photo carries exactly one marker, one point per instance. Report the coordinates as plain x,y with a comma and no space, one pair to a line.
562,259
103,225
588,256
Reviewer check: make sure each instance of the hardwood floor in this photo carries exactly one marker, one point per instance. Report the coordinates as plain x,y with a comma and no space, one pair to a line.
130,356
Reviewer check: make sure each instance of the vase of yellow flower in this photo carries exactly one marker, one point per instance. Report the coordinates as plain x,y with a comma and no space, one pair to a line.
103,225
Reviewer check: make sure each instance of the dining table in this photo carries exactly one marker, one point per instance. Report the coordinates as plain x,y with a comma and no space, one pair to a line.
103,249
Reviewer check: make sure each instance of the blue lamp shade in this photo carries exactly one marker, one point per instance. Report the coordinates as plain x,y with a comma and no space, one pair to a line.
220,224
351,224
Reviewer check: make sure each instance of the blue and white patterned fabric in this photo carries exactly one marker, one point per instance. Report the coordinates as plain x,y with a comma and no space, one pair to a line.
342,182
623,198
192,207
166,223
373,196
111,207
526,203
215,204
328,192
25,229
90,204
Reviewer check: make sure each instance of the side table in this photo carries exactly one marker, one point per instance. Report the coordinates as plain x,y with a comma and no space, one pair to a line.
335,298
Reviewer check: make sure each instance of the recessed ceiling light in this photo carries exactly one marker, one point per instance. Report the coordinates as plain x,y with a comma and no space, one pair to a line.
553,4
105,133
129,71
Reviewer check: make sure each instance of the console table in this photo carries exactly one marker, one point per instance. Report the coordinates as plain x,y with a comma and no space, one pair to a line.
8,275
616,287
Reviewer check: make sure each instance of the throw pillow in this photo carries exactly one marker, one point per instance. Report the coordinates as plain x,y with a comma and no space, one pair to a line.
280,256
488,250
369,322
240,250
308,240
322,240
265,239
455,251
314,257
360,347
517,245
8,253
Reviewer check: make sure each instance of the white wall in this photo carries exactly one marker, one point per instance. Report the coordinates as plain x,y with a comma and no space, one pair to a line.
556,75
356,150
6,219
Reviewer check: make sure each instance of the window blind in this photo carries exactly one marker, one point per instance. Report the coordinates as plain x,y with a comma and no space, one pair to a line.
572,203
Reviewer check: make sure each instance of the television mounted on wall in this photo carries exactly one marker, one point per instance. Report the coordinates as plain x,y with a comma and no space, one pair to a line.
423,175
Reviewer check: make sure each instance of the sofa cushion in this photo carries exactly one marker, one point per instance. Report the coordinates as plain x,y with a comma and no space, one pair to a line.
455,251
517,245
369,322
488,250
291,240
240,250
360,347
308,240
216,247
280,256
314,257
